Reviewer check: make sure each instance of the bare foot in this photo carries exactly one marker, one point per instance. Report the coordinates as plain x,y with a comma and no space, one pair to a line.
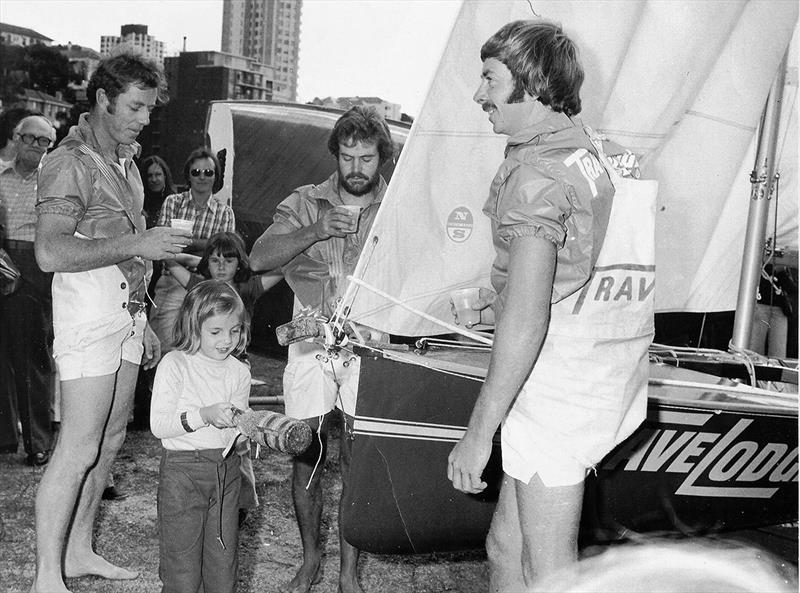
349,585
95,565
43,585
306,577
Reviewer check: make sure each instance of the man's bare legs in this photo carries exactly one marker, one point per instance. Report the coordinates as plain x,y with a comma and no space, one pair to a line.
80,558
308,507
348,566
89,438
534,532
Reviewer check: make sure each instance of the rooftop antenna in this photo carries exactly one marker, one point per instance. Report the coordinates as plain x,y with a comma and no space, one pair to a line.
184,43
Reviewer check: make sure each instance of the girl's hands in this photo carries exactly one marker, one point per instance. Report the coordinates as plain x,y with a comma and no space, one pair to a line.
219,415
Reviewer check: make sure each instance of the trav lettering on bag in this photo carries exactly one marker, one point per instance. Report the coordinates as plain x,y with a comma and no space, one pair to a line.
718,464
588,165
622,282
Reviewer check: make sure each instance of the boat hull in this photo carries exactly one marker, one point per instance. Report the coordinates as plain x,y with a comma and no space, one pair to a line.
698,464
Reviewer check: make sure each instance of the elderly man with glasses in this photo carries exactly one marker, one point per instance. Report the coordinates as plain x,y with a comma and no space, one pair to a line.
25,315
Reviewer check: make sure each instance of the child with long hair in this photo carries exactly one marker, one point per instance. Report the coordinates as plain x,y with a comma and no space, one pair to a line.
199,387
225,259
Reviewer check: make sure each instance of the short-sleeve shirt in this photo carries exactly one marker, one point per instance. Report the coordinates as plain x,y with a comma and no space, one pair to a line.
80,181
17,203
543,189
216,217
317,274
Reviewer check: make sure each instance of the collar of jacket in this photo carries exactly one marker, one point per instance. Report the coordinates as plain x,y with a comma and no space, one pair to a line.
553,122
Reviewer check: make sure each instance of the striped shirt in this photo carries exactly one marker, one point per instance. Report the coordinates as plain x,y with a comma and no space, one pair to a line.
214,218
18,204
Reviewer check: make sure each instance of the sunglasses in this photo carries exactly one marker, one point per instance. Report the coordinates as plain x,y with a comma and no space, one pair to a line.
206,172
40,141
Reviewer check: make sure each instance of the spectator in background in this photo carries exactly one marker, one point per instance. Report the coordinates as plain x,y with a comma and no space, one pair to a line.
203,175
776,306
8,122
8,421
157,186
26,315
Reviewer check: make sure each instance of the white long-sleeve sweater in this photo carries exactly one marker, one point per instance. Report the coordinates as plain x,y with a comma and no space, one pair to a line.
187,382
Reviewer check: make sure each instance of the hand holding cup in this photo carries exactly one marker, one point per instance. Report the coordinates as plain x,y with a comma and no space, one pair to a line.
183,224
354,213
463,300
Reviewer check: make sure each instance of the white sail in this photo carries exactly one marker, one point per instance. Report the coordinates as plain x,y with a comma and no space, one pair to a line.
681,83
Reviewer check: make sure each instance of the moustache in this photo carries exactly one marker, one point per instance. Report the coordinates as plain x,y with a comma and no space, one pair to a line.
357,176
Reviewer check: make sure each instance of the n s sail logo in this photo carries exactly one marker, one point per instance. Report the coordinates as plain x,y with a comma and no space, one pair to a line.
459,224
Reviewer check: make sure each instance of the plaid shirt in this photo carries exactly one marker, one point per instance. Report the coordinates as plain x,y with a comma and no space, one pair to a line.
215,218
18,204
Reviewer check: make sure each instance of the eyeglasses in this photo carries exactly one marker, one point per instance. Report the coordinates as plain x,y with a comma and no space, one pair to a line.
206,172
41,141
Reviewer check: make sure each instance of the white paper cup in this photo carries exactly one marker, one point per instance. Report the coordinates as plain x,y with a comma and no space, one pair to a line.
354,212
182,223
463,299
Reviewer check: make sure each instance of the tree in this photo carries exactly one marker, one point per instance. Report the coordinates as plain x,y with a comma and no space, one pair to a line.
35,67
48,70
12,72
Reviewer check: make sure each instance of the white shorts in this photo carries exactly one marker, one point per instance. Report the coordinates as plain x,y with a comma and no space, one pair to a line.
98,348
553,469
314,384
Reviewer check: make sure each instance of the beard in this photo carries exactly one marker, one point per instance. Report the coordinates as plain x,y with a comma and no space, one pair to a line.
366,184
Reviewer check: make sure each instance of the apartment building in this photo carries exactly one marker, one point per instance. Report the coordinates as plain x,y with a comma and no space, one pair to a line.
267,31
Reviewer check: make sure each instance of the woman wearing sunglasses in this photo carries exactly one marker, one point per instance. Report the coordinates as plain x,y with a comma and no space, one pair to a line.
209,216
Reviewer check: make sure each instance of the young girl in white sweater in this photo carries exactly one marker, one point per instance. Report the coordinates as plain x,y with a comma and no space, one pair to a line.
198,389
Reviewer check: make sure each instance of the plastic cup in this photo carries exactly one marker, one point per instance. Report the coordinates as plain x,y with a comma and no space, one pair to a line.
182,223
463,299
354,212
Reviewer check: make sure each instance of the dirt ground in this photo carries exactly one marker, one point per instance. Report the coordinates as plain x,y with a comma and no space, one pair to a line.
269,552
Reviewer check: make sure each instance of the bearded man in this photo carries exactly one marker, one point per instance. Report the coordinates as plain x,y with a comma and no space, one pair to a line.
316,238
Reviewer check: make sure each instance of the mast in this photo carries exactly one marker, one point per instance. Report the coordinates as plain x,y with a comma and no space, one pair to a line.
761,180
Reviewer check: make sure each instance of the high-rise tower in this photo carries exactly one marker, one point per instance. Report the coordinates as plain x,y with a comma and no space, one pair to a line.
135,37
267,31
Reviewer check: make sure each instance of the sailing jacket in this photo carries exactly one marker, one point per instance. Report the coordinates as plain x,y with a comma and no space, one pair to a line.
317,275
551,186
78,180
587,390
